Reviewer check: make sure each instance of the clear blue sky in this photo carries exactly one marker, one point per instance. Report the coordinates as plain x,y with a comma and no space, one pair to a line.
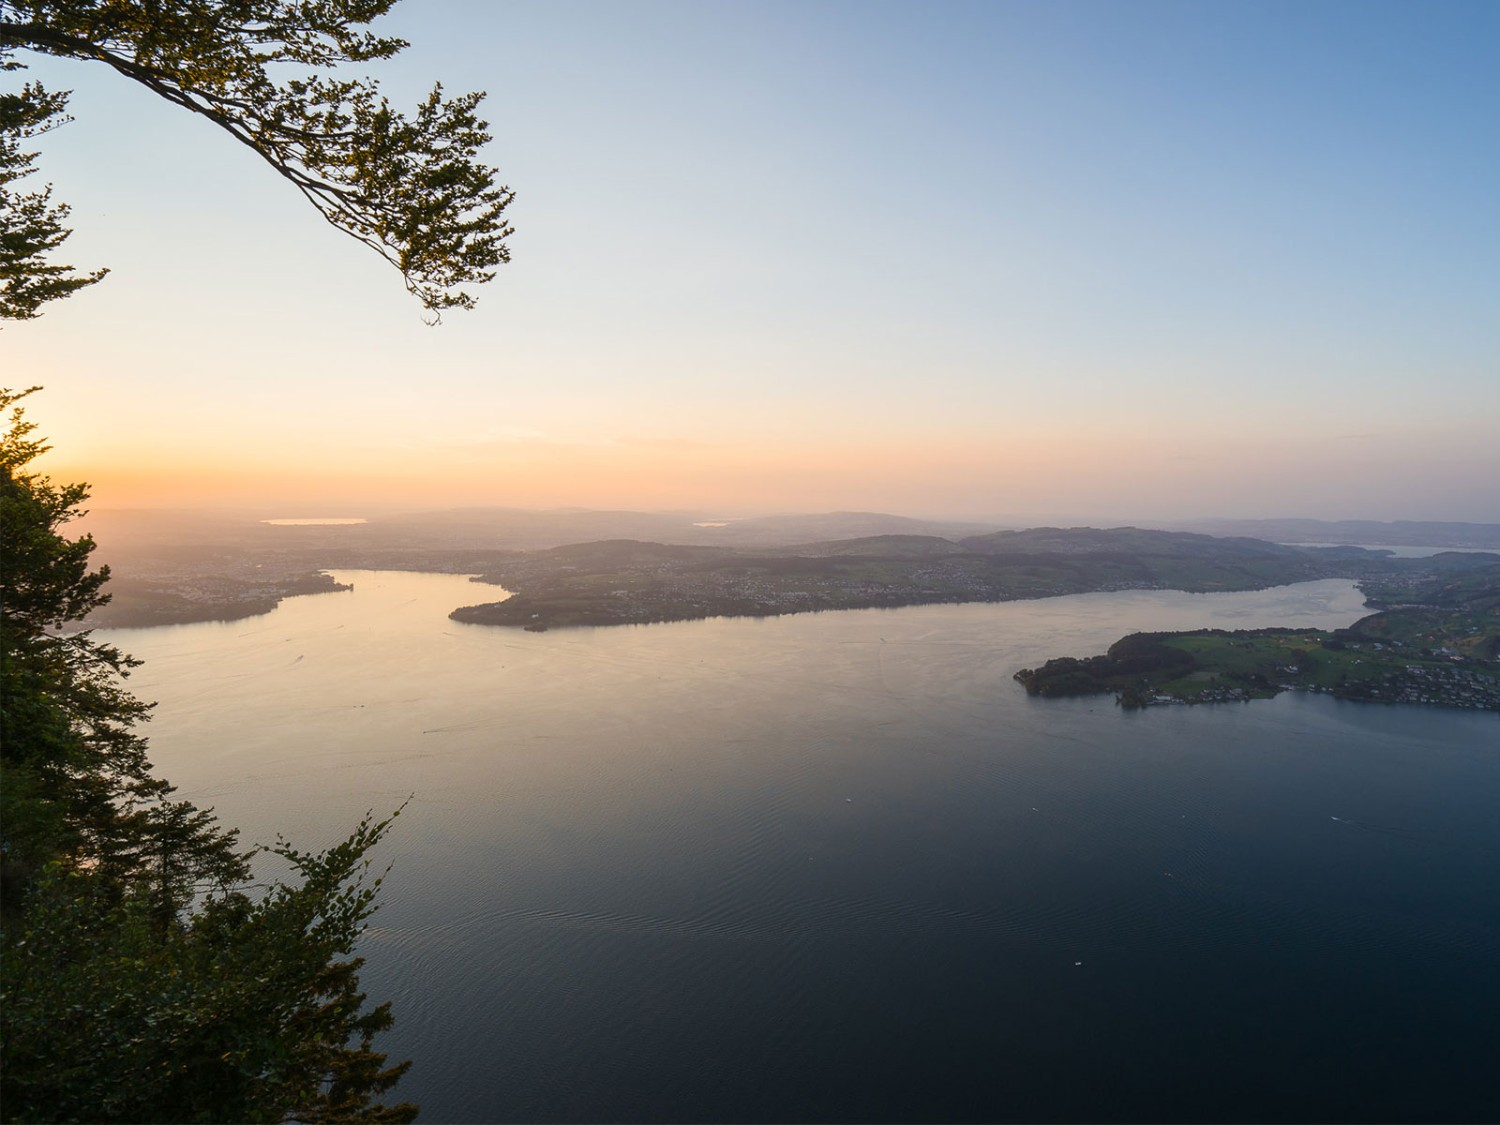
1112,260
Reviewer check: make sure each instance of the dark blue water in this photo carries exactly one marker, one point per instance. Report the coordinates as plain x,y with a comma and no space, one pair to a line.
840,868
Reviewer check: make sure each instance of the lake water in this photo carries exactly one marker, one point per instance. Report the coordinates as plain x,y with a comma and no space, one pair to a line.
840,867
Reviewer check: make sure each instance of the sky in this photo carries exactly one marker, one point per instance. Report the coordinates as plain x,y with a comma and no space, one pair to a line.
1106,261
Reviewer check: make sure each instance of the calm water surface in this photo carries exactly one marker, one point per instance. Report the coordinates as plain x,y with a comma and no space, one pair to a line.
840,867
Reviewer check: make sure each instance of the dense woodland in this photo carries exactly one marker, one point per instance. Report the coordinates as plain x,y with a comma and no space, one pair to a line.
146,977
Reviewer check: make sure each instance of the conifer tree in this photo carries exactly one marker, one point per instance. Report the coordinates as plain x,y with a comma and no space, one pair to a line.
143,977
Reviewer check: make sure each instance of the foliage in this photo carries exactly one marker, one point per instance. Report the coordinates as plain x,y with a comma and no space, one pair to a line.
33,226
142,981
265,71
240,1013
1128,663
78,789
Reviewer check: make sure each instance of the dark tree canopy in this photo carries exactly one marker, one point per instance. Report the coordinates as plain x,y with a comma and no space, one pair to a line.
268,73
143,978
78,790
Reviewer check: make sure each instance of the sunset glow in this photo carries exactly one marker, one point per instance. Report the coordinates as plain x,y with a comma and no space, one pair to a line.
1103,260
951,574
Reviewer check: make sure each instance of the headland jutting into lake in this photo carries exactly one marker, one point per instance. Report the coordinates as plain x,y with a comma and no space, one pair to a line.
1438,642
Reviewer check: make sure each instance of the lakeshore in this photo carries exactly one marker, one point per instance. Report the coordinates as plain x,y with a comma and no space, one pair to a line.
627,582
1440,645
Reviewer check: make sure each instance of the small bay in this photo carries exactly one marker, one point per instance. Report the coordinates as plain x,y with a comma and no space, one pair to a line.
840,867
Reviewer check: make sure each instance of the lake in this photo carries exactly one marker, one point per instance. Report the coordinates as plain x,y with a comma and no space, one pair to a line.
840,867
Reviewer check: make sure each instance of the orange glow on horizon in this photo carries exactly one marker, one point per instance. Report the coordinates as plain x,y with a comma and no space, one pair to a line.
961,475
1106,475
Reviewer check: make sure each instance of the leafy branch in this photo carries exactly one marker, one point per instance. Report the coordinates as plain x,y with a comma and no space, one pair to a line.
410,187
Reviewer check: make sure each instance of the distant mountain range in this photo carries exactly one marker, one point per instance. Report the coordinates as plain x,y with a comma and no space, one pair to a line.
1400,533
123,533
520,529
620,566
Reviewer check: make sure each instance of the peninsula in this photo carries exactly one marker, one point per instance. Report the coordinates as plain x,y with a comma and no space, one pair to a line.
624,582
1437,642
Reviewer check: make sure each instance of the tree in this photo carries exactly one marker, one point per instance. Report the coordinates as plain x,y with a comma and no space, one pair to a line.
412,189
243,1011
78,790
33,224
142,979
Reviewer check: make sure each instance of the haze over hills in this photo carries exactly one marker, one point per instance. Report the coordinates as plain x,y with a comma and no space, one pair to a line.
639,567
522,529
122,532
1136,540
1396,533
515,529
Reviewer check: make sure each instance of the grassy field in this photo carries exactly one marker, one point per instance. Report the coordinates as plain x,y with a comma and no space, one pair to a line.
1262,663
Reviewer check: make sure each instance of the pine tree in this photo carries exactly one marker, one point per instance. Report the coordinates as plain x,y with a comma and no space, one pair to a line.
144,979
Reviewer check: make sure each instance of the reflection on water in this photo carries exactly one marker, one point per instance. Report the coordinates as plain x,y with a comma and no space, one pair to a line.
316,521
839,866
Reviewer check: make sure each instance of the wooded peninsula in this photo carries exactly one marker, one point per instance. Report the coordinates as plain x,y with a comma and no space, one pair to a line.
1437,642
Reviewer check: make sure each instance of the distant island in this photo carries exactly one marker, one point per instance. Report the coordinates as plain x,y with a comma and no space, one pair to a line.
1437,642
628,582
